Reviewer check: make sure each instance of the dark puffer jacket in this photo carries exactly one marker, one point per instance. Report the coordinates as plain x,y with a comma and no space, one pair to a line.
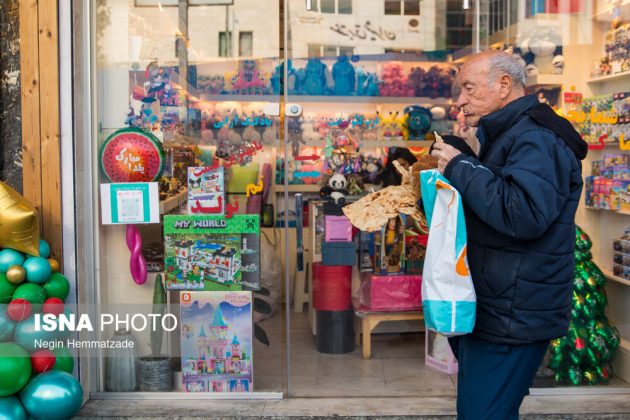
520,198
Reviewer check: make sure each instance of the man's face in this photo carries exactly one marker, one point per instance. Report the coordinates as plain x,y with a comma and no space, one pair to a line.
479,96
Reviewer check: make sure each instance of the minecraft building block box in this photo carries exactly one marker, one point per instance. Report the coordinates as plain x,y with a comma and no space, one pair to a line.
212,252
216,341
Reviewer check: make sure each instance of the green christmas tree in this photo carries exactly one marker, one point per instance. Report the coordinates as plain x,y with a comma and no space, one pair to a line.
585,354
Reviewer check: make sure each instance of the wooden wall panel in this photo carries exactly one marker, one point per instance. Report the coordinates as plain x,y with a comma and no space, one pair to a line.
39,49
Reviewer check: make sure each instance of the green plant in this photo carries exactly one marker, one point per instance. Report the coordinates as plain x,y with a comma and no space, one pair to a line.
159,307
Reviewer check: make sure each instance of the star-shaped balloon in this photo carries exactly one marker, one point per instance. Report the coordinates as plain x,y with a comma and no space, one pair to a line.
19,222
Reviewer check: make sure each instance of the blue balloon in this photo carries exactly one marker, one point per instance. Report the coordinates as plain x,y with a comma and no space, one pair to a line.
26,335
54,395
44,249
10,257
37,269
7,325
11,409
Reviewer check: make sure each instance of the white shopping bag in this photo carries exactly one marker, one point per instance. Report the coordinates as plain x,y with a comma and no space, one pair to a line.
448,295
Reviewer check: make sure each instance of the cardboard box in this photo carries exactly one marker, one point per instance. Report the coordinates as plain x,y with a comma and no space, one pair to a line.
337,229
438,354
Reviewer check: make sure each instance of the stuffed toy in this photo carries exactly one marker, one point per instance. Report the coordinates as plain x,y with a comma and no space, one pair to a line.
276,79
394,81
344,76
417,122
335,189
372,85
250,135
315,78
249,80
539,49
361,81
269,136
391,126
416,80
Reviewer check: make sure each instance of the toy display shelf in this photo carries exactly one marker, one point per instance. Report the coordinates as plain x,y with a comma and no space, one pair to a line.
610,276
295,188
377,143
412,100
174,202
610,77
621,212
545,79
606,15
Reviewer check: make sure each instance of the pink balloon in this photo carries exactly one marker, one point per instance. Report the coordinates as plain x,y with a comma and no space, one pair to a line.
137,265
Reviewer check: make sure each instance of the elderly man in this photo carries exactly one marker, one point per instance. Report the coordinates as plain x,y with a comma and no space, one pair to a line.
520,195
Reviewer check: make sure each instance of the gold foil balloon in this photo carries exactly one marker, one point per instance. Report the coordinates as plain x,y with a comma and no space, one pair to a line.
16,274
54,265
19,223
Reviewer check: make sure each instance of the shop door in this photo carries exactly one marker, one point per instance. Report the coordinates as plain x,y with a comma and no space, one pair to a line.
187,95
356,73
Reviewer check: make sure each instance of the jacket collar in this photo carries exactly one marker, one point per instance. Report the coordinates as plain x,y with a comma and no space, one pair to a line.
494,124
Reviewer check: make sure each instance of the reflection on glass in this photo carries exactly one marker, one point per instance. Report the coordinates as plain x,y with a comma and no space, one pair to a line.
392,7
345,7
412,7
224,44
245,44
328,6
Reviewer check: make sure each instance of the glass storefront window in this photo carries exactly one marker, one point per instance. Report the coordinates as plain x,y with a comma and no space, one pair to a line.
210,101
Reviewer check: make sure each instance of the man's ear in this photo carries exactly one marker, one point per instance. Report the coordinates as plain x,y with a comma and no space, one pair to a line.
505,86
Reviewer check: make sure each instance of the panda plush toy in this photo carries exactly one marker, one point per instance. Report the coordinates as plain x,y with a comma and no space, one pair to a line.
335,189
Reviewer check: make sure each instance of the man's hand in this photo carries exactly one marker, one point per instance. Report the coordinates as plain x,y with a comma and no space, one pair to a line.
444,152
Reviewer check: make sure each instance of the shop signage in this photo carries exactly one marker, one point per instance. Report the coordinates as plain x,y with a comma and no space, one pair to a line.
130,203
365,31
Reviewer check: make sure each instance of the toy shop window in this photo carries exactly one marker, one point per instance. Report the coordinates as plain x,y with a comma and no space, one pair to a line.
225,42
327,6
245,44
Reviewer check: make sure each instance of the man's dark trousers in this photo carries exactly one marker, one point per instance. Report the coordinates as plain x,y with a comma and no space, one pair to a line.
494,378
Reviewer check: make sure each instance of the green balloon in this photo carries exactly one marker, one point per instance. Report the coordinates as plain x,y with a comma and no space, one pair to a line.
58,286
63,359
31,292
15,368
6,289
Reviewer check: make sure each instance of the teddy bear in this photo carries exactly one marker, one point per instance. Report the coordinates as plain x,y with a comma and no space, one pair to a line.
335,190
539,49
394,81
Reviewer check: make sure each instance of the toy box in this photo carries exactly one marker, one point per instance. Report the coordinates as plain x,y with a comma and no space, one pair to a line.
438,354
206,189
337,229
212,252
389,247
396,293
216,341
338,253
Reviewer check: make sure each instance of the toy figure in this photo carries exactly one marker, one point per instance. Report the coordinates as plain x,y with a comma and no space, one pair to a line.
417,122
391,126
344,75
276,80
335,189
361,81
248,79
315,78
372,85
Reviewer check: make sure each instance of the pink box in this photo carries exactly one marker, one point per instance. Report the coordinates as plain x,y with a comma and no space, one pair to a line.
395,292
438,354
338,229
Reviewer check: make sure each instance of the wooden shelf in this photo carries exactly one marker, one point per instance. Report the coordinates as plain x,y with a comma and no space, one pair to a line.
173,202
611,276
296,188
545,79
328,99
622,212
610,77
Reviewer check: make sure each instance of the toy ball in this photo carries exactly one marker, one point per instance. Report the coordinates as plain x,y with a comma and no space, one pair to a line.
6,289
31,292
42,361
53,305
58,286
10,257
54,265
11,409
63,359
38,270
15,368
54,395
6,327
19,309
44,249
16,274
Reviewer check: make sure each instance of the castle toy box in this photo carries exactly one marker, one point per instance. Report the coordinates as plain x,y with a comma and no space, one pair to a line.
212,252
216,341
206,190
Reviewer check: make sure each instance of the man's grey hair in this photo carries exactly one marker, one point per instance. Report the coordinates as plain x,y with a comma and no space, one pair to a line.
504,63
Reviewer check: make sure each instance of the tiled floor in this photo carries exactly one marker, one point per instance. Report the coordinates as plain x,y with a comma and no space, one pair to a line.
395,369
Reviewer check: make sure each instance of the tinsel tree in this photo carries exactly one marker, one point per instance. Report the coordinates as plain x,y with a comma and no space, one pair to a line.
585,354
